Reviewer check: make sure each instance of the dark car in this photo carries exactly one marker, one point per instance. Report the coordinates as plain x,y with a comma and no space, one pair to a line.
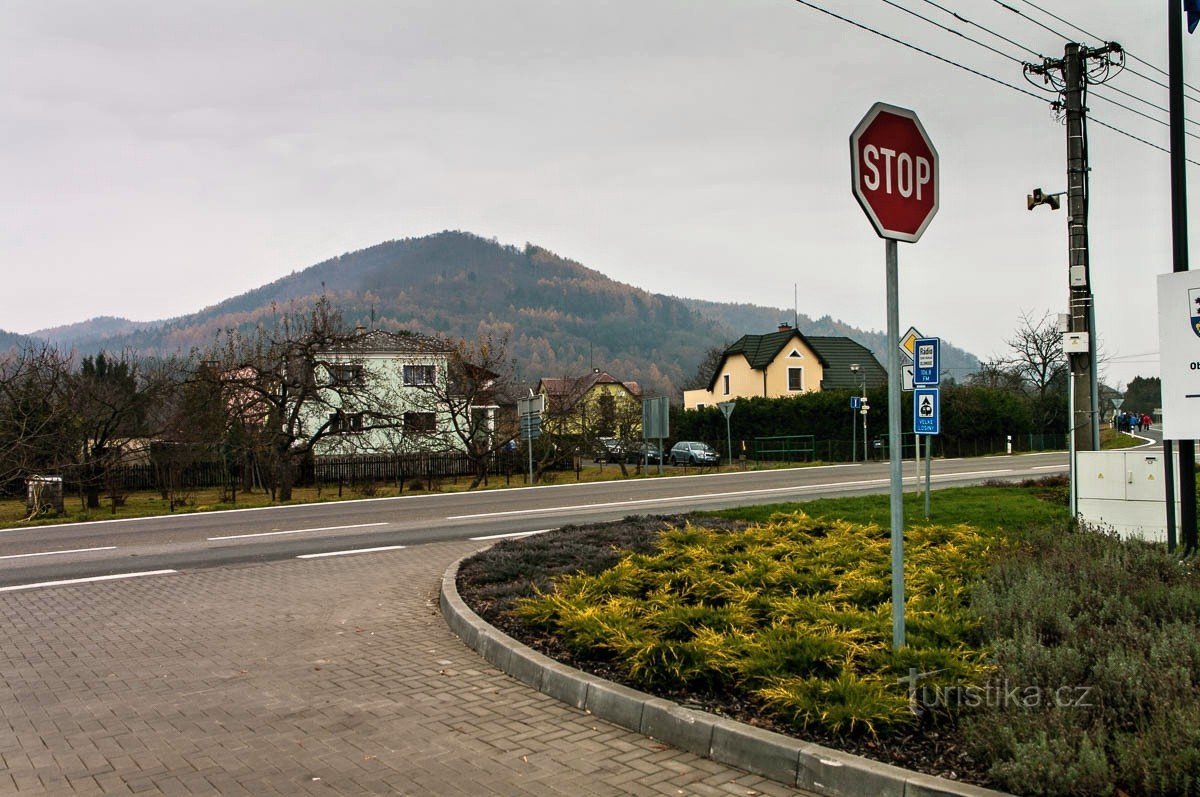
690,452
648,453
608,449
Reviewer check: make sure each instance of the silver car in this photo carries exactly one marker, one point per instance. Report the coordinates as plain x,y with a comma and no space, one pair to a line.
689,452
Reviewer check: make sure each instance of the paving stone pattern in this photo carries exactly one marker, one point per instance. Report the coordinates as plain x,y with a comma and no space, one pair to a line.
323,676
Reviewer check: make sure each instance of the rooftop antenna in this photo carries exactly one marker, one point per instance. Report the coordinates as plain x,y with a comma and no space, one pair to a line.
795,305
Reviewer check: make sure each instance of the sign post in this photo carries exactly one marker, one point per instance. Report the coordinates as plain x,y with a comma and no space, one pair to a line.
530,411
656,423
894,176
727,410
927,368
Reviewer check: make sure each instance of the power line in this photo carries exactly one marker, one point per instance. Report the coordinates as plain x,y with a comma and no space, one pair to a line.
1140,113
1014,59
910,46
1003,38
976,72
1116,129
958,33
1085,32
1023,15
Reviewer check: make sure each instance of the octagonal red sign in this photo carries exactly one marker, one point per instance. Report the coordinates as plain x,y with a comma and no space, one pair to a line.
894,172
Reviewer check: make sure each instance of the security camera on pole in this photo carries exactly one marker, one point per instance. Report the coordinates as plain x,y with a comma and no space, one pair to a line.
894,177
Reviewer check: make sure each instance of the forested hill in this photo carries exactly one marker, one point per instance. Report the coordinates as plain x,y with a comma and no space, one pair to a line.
561,318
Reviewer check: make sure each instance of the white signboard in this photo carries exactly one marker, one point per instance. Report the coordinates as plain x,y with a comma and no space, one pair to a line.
1179,353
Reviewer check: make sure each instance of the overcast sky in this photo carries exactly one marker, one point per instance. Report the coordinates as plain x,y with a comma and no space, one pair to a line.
160,157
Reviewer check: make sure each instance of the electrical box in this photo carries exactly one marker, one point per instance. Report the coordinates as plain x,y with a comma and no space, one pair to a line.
1075,343
1079,276
1125,491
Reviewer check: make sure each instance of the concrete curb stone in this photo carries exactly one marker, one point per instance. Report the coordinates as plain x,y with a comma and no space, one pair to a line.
781,758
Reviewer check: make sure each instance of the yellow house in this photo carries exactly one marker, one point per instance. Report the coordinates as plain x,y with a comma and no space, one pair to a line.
595,405
787,363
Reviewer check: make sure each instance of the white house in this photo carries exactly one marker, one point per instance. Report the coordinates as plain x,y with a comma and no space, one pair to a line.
387,393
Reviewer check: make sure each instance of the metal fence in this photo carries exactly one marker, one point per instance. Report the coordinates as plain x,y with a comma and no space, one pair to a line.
349,470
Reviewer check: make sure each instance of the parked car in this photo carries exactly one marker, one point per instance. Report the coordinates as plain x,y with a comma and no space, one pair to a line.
649,453
608,449
689,452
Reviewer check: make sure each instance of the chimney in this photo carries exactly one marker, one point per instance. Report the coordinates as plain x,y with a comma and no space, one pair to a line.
784,326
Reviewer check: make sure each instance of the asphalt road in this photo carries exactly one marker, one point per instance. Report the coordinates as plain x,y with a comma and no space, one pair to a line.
147,545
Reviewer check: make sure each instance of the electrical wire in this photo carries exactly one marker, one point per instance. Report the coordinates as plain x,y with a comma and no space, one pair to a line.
958,33
1136,112
1115,129
988,30
1085,32
910,46
1023,15
984,75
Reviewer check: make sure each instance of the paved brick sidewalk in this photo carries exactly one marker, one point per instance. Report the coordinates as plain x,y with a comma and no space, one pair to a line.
322,676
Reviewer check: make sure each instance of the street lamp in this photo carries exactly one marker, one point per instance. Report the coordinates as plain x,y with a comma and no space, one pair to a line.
863,408
853,423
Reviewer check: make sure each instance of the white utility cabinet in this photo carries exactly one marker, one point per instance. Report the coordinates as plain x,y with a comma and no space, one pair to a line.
1125,491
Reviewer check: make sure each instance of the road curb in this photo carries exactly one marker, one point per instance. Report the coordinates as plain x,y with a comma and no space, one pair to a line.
772,755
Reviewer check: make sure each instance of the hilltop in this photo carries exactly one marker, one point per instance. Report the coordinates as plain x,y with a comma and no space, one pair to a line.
561,317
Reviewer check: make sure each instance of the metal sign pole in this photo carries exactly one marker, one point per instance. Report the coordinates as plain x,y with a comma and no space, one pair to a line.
897,473
928,467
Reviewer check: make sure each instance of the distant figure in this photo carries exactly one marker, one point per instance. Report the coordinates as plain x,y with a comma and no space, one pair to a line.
1146,421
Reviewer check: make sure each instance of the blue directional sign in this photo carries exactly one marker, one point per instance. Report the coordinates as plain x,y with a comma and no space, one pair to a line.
927,361
855,402
927,411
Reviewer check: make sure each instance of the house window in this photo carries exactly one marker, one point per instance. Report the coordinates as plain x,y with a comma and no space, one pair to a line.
420,422
341,422
418,374
346,374
795,379
725,382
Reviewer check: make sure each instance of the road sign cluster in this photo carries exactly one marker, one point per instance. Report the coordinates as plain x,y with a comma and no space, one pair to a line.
926,364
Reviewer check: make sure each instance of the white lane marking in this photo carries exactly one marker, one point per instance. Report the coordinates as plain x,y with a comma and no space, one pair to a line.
51,553
513,534
709,496
87,580
1049,467
348,553
667,500
294,531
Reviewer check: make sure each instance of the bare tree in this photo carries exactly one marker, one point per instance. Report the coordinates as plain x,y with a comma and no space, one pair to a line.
472,403
36,420
1035,366
707,367
288,388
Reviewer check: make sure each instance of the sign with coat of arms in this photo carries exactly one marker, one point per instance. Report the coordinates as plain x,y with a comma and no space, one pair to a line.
1179,353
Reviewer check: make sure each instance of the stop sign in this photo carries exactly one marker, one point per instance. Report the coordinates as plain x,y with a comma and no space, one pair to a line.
894,169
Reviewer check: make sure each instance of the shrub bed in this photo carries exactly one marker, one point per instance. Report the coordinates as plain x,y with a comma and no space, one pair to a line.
1039,660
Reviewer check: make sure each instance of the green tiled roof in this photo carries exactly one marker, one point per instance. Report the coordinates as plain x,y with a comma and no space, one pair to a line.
837,354
834,353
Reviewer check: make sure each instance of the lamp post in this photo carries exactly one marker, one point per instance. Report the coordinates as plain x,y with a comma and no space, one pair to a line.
853,424
864,408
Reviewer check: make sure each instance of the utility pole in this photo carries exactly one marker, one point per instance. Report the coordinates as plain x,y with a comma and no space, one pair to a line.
1069,75
1187,448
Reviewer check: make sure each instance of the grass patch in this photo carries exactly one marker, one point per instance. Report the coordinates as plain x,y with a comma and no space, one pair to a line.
987,507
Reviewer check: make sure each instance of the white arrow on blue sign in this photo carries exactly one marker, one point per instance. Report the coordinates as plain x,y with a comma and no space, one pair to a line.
927,361
927,411
855,402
